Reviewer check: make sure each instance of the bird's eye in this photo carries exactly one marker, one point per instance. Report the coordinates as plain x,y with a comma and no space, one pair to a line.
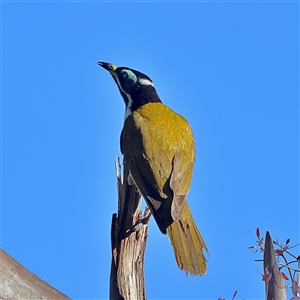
129,76
128,80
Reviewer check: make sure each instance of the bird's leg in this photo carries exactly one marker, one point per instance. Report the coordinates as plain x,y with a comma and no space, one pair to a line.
146,215
144,218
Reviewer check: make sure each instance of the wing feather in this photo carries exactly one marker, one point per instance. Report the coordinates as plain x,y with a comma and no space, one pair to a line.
160,155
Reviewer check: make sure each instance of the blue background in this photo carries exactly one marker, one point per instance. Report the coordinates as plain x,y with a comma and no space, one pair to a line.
231,68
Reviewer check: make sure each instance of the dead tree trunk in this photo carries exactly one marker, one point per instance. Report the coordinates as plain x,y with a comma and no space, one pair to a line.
275,287
128,242
17,282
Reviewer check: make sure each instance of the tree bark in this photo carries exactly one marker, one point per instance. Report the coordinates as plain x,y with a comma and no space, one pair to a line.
16,282
128,242
275,287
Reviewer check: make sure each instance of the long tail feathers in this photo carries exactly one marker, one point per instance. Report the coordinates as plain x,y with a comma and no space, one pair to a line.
188,244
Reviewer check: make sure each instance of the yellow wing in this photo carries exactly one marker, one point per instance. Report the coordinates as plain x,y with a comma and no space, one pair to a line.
158,147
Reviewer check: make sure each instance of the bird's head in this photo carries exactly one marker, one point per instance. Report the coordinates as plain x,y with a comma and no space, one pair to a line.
135,87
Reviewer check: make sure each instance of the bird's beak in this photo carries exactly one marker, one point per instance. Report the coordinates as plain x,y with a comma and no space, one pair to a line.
109,67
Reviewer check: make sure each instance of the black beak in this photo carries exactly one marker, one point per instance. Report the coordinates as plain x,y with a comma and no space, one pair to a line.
107,66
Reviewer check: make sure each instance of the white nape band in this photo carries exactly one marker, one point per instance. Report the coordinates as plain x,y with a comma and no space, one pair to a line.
145,81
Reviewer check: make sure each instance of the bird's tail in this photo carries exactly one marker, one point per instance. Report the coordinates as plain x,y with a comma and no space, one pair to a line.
188,243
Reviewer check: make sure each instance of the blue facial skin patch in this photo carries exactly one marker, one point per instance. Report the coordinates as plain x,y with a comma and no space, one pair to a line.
130,75
128,79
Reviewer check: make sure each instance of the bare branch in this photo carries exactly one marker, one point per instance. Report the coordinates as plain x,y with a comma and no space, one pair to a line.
128,241
16,282
275,287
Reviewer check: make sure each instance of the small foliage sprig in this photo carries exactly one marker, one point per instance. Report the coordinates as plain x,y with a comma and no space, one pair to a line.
234,294
286,260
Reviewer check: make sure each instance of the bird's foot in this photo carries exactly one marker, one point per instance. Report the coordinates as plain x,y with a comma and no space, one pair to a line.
144,218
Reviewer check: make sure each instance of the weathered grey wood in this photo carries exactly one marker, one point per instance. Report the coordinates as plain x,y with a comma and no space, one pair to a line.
275,287
16,282
128,241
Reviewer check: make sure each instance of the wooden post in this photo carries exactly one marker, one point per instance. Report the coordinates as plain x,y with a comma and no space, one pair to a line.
128,241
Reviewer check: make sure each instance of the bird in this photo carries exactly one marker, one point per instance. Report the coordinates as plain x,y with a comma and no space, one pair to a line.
159,151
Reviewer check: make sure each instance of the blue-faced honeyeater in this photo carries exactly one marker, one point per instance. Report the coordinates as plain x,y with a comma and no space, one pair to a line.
159,151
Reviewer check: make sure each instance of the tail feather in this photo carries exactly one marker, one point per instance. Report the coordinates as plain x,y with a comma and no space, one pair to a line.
188,244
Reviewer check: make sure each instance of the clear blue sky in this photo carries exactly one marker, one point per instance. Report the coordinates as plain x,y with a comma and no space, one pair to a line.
231,68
